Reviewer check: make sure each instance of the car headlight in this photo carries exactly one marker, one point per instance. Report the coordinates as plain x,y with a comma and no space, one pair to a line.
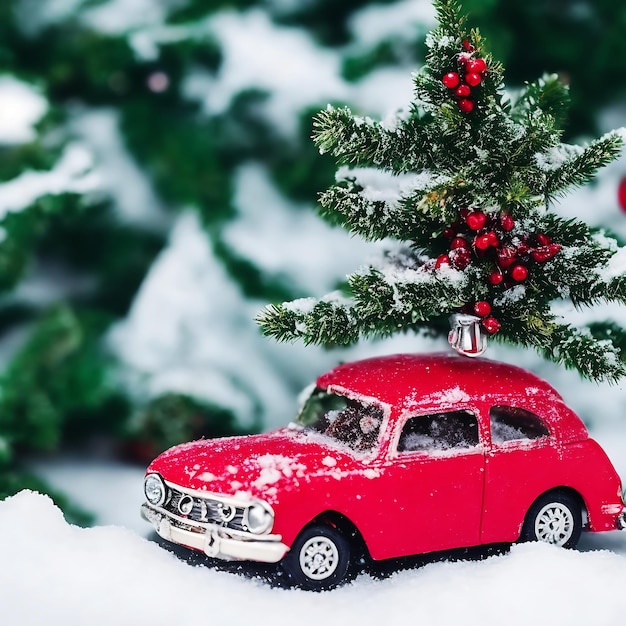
259,518
154,488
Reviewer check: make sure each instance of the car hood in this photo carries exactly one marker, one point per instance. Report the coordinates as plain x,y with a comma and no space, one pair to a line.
255,465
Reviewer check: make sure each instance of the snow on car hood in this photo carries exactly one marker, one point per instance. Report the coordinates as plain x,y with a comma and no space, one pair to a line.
255,465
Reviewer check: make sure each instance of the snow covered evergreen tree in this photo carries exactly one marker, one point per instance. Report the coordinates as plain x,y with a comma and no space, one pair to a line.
464,183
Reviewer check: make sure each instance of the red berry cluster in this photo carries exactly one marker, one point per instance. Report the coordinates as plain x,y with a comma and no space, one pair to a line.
479,236
470,73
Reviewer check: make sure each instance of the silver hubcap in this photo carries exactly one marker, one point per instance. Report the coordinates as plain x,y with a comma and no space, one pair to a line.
319,558
554,524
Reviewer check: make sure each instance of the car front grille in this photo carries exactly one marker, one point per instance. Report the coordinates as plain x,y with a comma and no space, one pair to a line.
205,510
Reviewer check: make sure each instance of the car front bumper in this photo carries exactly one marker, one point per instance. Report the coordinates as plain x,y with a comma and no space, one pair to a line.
214,540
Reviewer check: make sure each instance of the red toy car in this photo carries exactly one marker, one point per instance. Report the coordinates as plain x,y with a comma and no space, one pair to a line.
391,456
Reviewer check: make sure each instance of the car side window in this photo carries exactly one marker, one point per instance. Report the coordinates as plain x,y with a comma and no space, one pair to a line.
439,431
510,423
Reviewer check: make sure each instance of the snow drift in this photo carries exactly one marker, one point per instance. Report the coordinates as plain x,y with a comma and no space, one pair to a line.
59,574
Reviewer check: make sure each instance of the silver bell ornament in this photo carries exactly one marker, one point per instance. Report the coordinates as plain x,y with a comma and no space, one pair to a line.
467,337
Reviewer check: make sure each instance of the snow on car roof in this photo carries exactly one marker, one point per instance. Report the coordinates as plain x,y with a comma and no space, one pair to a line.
392,378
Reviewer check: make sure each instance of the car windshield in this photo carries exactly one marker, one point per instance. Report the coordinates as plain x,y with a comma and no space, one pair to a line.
348,421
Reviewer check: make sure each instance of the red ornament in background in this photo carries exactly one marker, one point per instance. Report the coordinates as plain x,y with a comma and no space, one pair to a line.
451,80
621,194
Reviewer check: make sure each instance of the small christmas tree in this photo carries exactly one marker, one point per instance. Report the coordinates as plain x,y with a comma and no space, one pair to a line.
464,183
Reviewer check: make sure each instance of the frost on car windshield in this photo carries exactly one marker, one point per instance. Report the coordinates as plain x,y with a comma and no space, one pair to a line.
351,422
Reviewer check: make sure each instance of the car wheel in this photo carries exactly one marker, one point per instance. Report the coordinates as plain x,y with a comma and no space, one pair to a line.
555,518
320,558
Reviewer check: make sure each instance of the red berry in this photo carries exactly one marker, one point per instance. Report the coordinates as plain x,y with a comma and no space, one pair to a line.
473,79
543,240
621,192
466,105
449,232
491,325
451,80
482,308
462,91
495,278
459,243
468,46
464,212
482,242
506,257
476,66
545,253
506,222
461,258
476,220
494,242
519,273
442,259
522,248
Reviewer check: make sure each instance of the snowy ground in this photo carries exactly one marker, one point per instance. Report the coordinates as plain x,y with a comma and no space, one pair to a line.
60,574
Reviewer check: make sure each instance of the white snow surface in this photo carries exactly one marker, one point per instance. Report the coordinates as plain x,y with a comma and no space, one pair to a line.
63,575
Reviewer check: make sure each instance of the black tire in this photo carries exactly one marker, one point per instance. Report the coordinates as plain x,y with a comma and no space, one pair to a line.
554,518
320,558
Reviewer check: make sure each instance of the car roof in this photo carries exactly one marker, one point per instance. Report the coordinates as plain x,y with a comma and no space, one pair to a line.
392,378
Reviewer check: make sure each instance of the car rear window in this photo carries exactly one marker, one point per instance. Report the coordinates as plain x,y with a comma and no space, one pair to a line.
510,423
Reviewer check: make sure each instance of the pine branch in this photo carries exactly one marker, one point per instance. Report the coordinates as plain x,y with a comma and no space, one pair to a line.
549,95
402,296
399,209
449,15
595,359
328,322
364,142
580,164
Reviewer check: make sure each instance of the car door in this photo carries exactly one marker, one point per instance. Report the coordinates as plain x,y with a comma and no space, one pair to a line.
430,489
521,463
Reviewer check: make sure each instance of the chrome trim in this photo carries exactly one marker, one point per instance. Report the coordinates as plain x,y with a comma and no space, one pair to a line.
215,541
226,511
241,501
163,498
185,505
621,520
246,517
228,506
